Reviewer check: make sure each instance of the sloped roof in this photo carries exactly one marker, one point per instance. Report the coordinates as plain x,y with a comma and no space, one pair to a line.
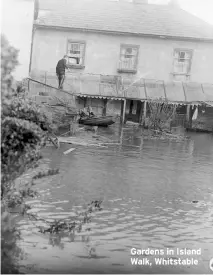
174,92
123,17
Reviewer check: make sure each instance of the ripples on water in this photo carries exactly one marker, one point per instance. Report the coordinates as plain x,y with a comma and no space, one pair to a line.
148,188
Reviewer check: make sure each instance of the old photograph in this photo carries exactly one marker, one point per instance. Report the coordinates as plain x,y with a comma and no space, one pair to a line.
106,136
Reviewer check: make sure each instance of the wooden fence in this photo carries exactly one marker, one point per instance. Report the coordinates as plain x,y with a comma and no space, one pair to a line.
117,86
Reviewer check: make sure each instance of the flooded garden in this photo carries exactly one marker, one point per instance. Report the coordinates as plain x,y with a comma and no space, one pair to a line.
86,205
156,194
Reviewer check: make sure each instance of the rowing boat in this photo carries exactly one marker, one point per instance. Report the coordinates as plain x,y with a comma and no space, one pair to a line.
103,121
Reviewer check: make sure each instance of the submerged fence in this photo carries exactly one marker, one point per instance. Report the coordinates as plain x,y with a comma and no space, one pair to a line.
123,87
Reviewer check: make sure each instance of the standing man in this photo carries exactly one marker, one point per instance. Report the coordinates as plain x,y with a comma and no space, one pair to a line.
60,71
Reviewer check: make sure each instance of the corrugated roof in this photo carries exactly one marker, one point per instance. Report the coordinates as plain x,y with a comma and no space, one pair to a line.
123,17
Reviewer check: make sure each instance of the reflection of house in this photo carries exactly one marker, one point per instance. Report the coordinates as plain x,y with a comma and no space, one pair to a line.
110,43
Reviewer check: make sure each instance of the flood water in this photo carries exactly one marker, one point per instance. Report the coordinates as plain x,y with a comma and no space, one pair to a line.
148,188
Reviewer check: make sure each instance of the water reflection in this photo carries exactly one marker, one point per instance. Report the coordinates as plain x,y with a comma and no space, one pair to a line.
148,187
56,240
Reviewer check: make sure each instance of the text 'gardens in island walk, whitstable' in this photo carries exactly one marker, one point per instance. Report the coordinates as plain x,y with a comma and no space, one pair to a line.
165,257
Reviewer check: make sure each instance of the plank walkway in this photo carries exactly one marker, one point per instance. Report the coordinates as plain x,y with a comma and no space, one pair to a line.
78,94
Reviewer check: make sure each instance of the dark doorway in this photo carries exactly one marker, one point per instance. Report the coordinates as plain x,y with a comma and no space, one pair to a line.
134,110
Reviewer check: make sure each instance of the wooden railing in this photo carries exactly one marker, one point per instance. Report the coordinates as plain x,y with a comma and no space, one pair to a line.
118,87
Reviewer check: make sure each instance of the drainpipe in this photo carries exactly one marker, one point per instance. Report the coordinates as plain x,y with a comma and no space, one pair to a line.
31,49
35,17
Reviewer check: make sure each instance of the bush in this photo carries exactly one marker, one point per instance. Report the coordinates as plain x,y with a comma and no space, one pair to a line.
23,131
25,128
160,118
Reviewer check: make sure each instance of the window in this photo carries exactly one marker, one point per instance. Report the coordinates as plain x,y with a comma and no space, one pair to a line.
182,63
76,54
128,58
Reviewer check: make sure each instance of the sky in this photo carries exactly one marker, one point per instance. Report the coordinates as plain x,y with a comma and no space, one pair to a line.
17,19
16,25
199,8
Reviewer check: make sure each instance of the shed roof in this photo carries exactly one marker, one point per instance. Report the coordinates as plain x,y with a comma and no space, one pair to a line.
123,17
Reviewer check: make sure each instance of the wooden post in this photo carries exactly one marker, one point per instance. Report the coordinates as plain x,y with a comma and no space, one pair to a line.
141,145
72,126
85,101
45,81
124,111
105,107
184,91
188,116
141,114
164,89
122,108
144,111
188,112
121,136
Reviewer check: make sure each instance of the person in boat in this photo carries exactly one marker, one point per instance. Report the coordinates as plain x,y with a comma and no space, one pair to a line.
90,112
60,71
87,112
82,113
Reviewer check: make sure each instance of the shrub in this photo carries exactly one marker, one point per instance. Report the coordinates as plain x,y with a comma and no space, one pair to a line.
24,129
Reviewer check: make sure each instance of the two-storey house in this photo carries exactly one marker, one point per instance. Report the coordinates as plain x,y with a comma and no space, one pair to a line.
114,44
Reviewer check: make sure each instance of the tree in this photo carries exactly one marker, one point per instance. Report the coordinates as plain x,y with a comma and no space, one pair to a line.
25,128
24,125
22,136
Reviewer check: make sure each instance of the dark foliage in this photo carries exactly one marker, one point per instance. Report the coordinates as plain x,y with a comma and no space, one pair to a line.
24,130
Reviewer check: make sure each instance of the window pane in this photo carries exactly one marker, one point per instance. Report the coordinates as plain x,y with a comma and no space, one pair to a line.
128,58
181,67
82,48
75,49
188,55
181,55
128,50
176,54
76,53
128,63
134,51
72,61
123,51
182,61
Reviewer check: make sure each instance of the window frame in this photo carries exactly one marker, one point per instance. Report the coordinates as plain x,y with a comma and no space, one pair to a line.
76,66
126,46
185,50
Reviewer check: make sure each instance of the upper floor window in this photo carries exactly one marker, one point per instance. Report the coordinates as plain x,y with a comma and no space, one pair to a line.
182,64
128,58
76,54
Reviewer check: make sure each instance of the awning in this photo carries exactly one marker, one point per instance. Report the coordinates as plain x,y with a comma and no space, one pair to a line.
209,103
102,97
